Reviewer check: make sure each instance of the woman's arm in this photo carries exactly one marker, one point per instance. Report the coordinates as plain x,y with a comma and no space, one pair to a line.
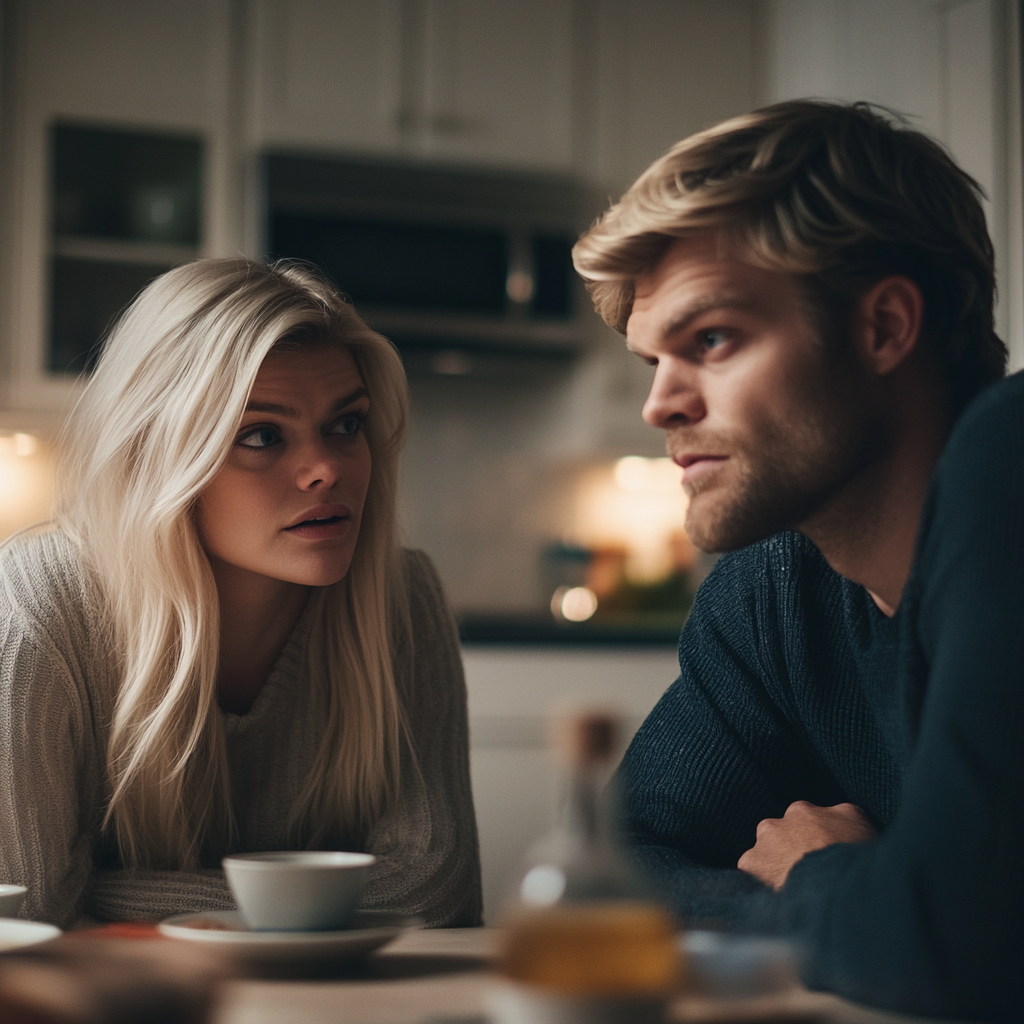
427,843
55,704
49,771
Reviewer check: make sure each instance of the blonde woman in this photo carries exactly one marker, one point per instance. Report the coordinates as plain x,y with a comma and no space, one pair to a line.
218,646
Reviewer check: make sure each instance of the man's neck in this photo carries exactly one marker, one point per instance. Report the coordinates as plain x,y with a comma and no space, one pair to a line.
868,531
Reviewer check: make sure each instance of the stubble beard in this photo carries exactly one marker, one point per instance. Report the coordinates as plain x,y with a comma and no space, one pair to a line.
774,483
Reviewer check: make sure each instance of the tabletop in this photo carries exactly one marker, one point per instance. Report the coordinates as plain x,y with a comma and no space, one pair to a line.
440,977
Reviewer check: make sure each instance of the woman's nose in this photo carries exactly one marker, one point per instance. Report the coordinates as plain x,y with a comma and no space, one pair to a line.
675,398
318,466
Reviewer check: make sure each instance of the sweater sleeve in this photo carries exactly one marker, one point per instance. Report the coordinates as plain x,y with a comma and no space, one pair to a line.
717,754
927,919
48,771
426,844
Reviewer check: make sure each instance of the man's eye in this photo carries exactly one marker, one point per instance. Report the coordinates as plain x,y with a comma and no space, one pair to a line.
261,437
714,339
349,426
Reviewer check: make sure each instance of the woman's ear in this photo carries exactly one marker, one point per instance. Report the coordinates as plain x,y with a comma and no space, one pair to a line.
890,316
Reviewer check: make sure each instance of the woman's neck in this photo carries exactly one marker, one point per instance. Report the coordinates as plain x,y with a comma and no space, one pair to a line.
257,614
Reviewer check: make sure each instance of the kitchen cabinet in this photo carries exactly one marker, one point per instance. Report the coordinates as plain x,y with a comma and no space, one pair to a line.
512,691
468,81
663,69
134,67
326,74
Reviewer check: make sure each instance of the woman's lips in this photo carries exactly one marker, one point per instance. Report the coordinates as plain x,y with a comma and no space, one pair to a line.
321,529
693,468
322,522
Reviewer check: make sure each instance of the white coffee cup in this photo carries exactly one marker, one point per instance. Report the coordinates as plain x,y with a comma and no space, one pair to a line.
10,899
305,890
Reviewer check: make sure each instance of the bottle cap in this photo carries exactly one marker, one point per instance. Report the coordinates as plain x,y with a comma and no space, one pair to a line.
585,738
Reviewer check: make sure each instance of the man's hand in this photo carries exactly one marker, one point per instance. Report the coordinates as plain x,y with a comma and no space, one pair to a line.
781,842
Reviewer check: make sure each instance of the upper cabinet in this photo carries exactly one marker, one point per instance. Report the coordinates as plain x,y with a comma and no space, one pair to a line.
470,81
326,74
115,167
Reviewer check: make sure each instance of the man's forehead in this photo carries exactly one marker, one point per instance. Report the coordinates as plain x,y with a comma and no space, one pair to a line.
703,249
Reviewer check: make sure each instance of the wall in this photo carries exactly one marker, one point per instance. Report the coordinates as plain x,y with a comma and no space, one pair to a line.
952,67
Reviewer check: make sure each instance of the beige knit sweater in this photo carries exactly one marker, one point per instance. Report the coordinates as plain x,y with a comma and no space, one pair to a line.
57,688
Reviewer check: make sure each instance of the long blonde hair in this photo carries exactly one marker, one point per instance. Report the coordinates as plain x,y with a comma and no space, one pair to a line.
151,430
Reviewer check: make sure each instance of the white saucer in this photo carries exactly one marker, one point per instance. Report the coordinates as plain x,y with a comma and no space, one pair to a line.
369,931
17,933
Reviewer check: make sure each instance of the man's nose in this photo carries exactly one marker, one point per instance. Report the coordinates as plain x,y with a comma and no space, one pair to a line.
675,399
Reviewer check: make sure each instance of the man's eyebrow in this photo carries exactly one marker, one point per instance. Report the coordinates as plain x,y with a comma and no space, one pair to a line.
293,414
684,317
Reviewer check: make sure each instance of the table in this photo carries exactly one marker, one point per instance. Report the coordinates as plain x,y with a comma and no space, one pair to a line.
439,977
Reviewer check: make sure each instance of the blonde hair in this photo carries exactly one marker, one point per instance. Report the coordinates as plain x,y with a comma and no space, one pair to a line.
842,195
151,430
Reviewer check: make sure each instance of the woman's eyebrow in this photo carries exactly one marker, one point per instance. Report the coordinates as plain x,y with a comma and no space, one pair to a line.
360,392
289,413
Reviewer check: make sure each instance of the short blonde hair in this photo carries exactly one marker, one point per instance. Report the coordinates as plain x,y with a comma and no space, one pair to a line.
152,429
839,194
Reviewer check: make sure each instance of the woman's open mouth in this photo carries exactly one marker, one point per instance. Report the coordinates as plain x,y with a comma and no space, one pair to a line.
322,523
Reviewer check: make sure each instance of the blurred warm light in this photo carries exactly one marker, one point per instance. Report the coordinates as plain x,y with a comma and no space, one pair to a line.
26,482
574,604
634,473
25,444
637,504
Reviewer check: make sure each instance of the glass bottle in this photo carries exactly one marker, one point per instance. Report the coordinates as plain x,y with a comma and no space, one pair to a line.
585,940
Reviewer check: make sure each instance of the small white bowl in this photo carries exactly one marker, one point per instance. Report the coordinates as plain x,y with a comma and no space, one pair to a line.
10,899
305,890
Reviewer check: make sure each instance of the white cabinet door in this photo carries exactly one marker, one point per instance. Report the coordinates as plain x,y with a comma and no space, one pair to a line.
471,81
666,69
127,64
326,74
497,82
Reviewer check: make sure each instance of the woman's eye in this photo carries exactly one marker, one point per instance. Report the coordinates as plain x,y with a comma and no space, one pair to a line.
349,426
261,437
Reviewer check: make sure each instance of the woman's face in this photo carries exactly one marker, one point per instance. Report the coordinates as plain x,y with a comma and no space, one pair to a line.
288,501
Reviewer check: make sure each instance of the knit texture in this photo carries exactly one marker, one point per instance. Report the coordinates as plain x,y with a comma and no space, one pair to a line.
57,691
794,686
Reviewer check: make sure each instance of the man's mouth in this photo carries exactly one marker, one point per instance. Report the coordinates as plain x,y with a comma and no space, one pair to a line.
697,465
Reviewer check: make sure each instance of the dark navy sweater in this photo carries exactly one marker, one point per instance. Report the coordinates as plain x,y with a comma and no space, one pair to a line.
794,686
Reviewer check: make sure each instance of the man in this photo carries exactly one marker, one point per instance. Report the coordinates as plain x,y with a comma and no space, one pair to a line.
840,758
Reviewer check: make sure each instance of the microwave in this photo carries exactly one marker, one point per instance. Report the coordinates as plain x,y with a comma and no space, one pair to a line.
465,263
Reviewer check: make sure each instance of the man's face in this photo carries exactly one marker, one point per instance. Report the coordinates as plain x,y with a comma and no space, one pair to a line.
767,421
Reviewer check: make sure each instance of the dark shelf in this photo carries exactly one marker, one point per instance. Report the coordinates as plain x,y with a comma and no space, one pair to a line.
510,630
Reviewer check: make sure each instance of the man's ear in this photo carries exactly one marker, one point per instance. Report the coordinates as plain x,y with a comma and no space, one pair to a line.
890,316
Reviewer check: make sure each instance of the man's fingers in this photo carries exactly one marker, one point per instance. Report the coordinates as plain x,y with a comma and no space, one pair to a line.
798,807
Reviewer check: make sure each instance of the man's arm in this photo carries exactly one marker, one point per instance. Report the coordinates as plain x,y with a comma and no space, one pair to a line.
928,918
718,755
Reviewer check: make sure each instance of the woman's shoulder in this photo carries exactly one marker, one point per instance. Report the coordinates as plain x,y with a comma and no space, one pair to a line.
43,578
435,637
420,574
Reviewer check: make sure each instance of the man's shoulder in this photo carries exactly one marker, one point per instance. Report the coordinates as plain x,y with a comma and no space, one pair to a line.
993,409
779,595
984,456
782,561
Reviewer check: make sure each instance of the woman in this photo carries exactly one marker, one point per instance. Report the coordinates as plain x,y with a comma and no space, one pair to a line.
219,647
